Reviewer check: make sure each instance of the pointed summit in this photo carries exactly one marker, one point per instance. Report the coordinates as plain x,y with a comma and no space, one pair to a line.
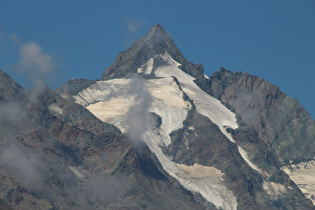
155,41
156,34
157,27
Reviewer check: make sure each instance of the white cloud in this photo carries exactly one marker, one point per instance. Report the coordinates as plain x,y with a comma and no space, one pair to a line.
137,117
12,114
133,27
23,162
38,65
34,60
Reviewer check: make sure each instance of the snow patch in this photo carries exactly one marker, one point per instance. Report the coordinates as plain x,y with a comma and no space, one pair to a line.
148,67
101,91
246,158
166,90
55,108
197,171
274,189
303,174
113,111
77,172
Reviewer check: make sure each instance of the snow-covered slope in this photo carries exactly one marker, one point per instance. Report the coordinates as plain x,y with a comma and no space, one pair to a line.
111,102
205,104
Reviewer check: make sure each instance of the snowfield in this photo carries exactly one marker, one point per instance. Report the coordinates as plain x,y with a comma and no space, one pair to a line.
110,102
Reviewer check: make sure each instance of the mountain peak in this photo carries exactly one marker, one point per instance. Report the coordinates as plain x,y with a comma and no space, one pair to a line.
156,33
155,36
156,28
155,41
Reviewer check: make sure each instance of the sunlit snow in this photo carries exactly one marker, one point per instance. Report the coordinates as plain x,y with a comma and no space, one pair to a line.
274,189
303,175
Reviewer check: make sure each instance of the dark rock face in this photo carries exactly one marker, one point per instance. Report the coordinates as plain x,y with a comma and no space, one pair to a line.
9,89
280,121
4,205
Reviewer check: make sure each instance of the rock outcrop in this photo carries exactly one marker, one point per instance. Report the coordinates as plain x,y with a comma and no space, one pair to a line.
279,120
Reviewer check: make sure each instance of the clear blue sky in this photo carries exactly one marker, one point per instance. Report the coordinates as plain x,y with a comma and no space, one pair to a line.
273,39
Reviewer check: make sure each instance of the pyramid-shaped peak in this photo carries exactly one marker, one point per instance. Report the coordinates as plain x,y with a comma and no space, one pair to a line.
156,29
155,42
155,35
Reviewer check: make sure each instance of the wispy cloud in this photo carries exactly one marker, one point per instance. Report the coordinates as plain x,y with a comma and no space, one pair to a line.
12,114
137,117
244,103
22,162
37,64
133,27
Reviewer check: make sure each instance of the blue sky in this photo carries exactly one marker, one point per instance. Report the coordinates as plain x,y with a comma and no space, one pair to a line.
79,39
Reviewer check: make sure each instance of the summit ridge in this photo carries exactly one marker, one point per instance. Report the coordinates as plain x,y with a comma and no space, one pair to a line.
155,41
156,33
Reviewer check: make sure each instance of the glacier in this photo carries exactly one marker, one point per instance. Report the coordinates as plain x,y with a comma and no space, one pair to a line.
108,100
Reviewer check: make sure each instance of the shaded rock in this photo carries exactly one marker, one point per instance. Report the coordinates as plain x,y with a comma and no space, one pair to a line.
280,121
9,89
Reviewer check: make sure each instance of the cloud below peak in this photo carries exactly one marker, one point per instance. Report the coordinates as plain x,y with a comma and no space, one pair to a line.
36,63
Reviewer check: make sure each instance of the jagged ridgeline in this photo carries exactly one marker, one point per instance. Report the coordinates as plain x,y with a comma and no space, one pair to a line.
155,133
